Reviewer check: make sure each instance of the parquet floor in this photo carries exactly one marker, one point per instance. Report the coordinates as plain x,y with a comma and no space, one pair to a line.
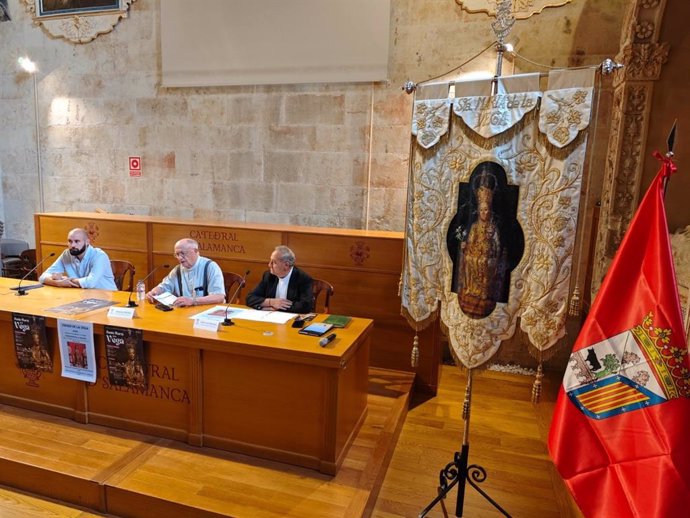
131,475
507,436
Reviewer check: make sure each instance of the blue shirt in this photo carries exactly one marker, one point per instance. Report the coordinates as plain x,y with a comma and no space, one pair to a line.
92,271
193,279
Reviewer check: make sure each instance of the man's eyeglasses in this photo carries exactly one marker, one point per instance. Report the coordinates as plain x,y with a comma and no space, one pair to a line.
182,255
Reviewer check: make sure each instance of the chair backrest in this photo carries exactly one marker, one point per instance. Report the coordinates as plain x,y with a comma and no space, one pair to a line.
121,270
320,286
10,250
232,281
12,247
28,263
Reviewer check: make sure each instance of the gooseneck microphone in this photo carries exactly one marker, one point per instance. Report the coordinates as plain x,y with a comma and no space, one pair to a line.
130,302
228,321
22,291
327,340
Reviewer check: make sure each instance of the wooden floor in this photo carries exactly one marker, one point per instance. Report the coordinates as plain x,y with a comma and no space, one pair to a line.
507,437
99,470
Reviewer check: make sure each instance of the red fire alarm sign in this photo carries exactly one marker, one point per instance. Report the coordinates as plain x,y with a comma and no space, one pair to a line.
134,166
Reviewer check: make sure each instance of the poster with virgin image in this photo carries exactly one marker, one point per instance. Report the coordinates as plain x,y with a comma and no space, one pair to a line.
124,353
31,342
77,350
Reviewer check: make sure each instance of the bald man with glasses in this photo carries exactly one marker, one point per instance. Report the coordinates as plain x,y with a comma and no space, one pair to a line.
195,281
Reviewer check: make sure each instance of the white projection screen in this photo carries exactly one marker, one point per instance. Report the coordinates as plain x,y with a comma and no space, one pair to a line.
259,42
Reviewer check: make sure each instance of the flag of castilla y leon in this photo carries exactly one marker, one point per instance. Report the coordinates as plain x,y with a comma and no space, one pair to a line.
620,435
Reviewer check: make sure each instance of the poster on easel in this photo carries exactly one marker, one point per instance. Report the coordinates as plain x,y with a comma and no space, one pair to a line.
31,342
124,354
77,350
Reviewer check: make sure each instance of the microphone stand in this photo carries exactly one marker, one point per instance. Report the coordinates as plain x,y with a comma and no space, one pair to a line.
22,291
228,321
130,302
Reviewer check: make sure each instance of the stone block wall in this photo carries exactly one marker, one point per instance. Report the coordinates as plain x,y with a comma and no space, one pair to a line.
324,155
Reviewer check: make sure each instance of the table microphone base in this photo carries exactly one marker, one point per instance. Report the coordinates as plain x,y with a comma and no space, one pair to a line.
132,304
227,322
20,292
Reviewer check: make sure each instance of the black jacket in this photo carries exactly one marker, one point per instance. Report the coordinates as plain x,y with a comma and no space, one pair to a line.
299,291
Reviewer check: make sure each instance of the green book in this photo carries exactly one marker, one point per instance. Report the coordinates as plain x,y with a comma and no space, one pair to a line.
337,320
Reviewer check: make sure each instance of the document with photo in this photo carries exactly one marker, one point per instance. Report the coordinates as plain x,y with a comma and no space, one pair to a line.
77,350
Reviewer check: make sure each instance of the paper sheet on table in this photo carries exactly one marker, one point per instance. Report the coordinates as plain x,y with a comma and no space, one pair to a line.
166,298
218,312
275,317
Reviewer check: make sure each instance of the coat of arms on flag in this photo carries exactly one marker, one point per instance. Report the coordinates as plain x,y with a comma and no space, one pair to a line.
634,369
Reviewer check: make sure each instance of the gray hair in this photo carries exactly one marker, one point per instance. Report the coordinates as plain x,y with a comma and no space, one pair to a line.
187,243
285,254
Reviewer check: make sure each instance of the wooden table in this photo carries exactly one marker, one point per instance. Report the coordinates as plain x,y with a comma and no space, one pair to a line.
256,388
364,266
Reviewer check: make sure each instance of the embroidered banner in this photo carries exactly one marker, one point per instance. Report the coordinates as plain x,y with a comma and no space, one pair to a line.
492,216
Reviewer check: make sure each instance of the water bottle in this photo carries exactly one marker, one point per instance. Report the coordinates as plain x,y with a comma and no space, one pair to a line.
141,291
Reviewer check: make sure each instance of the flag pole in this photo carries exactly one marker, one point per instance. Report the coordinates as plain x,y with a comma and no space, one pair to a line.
670,141
458,472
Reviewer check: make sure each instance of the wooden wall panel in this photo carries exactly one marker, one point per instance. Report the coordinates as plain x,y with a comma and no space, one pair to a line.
103,233
344,252
218,242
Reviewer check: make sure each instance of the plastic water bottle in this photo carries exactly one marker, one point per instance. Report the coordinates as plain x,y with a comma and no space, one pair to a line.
141,291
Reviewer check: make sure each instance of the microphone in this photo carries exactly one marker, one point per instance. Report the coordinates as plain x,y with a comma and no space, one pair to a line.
130,302
228,321
22,291
327,340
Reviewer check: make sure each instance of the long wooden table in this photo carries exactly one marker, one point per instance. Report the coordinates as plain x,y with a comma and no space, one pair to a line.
256,388
363,265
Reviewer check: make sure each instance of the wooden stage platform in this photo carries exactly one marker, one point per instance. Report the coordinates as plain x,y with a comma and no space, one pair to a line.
133,475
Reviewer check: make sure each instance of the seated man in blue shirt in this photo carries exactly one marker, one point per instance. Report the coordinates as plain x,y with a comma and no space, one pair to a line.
80,266
196,280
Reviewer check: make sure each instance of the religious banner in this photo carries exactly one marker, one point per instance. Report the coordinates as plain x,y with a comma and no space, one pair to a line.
31,342
492,211
77,350
124,354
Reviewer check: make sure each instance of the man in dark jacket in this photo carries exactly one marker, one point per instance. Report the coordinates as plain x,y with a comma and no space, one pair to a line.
284,287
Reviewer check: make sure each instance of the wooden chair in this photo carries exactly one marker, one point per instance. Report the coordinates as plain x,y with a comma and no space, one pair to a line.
121,269
232,280
28,263
322,286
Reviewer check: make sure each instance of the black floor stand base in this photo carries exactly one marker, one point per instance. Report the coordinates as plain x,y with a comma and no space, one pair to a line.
454,473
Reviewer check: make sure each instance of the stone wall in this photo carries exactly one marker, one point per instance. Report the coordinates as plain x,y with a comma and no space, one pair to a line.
323,155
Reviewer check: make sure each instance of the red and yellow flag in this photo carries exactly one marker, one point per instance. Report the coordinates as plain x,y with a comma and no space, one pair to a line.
620,435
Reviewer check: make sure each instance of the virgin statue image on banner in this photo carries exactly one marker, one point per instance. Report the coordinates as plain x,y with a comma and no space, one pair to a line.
31,343
485,240
124,353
